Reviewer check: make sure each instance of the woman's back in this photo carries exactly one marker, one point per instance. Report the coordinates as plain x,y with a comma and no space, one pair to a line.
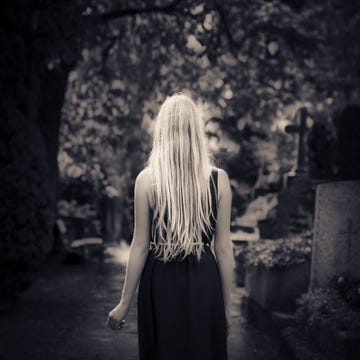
180,305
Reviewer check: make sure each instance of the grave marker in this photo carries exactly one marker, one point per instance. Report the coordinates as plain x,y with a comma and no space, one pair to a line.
336,247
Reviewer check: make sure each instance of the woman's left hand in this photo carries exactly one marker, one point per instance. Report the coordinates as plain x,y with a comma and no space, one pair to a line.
116,317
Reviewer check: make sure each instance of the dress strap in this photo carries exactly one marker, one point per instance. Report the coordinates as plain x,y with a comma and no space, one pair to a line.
214,195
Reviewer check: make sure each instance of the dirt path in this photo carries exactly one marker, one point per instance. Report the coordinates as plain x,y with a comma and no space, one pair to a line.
62,317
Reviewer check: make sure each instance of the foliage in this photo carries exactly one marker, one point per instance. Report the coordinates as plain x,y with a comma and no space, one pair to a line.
251,63
25,230
322,318
279,253
39,41
38,38
327,308
348,290
73,209
101,143
165,56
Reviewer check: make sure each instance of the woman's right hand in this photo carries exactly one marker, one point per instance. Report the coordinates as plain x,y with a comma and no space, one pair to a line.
115,319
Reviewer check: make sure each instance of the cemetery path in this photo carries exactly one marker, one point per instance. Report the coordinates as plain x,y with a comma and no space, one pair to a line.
62,317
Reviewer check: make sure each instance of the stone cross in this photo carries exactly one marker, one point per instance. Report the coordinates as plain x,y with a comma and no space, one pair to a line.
349,233
301,129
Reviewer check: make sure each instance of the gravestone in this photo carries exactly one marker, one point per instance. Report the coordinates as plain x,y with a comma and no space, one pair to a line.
336,246
294,212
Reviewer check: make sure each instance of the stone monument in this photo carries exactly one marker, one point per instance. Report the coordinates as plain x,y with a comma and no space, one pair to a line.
294,212
336,247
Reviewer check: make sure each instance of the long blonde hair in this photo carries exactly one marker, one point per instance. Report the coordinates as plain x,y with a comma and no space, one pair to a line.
180,168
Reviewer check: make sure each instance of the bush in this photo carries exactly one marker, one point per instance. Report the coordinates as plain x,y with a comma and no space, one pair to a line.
75,210
323,317
279,253
26,203
325,308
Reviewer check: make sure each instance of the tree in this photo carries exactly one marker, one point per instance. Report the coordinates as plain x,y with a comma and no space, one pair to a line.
252,62
255,62
38,50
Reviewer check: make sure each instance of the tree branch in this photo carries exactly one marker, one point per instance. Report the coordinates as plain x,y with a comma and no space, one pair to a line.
233,44
170,8
290,34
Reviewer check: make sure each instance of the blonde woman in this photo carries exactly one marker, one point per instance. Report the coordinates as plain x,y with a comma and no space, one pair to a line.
182,204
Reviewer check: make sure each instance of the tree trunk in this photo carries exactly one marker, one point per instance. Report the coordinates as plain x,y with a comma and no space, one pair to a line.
52,94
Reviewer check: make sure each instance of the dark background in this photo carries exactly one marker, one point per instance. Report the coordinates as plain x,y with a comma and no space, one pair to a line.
81,83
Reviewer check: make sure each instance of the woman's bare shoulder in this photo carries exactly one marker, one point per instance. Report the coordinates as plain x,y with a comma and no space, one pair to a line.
143,183
223,182
143,178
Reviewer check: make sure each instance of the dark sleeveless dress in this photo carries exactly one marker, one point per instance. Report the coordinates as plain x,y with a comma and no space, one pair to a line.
181,314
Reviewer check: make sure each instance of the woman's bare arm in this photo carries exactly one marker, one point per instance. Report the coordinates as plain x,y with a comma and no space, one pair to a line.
223,245
139,247
140,243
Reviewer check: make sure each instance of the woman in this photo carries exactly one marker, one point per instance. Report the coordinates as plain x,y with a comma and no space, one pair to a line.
181,204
